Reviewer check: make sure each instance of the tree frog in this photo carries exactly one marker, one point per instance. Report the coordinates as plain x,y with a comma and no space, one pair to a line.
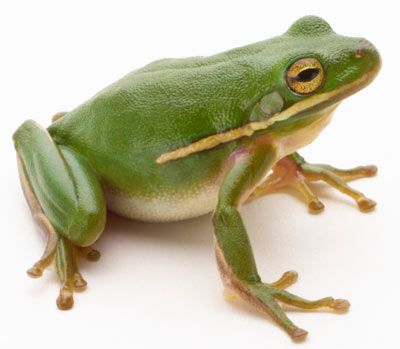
180,138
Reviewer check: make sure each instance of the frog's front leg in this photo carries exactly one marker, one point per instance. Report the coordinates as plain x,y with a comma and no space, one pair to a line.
293,171
233,250
66,199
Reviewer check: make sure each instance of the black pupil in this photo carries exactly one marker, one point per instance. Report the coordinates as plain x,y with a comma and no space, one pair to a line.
307,75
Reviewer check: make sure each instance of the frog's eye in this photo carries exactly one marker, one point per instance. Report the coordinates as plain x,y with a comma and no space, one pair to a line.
305,76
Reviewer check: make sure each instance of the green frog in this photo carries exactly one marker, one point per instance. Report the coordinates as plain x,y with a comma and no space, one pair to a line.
180,138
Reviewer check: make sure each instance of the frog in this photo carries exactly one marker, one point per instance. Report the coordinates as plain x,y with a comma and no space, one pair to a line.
184,137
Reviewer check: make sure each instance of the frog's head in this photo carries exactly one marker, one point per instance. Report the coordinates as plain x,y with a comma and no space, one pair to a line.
320,68
306,70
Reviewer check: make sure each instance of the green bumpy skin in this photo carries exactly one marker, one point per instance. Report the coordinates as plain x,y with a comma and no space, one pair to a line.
228,119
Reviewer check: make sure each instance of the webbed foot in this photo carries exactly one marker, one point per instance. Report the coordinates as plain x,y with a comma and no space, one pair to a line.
64,254
266,298
293,171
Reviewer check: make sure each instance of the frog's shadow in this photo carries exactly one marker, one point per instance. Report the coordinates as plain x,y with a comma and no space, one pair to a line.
194,232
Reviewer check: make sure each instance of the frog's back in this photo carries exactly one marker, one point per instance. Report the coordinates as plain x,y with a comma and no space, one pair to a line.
181,99
161,107
202,61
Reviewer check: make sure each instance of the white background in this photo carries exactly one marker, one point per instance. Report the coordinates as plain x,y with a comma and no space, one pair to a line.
157,285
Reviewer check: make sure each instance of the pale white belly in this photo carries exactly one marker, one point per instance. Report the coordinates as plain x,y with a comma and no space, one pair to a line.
164,208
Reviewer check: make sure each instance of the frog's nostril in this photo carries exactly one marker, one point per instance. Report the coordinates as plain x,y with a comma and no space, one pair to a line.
359,53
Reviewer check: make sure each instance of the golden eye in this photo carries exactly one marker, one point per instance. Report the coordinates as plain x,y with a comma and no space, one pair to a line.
305,76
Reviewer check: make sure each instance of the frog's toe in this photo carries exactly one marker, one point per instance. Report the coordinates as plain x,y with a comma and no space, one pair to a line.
365,204
80,283
89,253
298,182
48,255
287,279
354,173
340,305
65,300
316,206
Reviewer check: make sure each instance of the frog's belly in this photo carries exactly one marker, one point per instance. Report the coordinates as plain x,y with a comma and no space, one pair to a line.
165,207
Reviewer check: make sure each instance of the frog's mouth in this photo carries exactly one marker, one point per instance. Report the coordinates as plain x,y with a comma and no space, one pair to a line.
306,106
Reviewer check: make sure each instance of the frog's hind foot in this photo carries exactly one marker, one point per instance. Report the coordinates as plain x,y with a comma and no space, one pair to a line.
293,171
64,254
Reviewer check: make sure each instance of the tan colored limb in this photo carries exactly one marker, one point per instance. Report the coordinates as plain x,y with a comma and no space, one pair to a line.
49,252
294,172
327,302
48,255
314,205
280,177
287,279
353,173
364,203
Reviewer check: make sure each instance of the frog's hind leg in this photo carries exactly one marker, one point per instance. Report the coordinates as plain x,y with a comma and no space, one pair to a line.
67,201
293,171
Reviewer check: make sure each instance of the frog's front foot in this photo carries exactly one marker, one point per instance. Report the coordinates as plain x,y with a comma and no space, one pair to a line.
295,172
266,298
64,254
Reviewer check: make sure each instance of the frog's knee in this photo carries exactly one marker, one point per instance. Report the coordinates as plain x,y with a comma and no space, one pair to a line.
87,224
25,132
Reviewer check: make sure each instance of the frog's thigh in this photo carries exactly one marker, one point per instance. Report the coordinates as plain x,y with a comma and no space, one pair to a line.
63,183
67,199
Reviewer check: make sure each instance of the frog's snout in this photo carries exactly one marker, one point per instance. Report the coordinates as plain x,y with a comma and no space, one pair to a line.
368,53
